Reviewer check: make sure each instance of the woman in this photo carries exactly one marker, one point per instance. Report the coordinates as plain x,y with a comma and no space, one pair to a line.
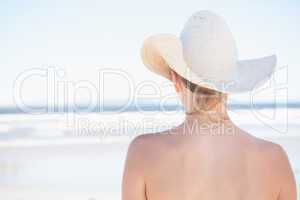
207,156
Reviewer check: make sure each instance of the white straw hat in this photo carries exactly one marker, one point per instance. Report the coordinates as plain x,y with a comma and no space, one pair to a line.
206,54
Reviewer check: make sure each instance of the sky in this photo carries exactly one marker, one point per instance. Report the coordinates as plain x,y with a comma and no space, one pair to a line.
76,41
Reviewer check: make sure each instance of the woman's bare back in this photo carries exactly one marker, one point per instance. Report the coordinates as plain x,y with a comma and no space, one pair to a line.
212,167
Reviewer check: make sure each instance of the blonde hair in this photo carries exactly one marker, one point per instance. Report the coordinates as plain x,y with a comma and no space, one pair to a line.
205,98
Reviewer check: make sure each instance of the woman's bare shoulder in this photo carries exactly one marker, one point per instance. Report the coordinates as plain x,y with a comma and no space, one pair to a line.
268,147
264,149
150,140
145,149
272,152
280,168
151,144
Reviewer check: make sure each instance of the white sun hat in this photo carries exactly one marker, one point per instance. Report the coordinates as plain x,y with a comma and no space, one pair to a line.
206,54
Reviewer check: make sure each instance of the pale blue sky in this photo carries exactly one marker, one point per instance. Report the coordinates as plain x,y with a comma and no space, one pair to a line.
84,36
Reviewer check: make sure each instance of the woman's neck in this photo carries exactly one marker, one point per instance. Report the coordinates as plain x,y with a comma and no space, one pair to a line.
216,114
208,122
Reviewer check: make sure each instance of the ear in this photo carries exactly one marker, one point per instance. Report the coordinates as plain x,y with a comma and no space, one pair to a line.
176,80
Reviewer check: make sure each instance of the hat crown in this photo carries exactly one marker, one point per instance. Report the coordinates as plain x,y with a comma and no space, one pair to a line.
208,45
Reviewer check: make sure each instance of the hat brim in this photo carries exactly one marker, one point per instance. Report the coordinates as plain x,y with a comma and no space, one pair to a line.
163,52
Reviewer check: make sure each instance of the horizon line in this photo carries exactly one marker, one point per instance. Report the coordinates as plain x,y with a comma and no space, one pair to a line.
140,106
